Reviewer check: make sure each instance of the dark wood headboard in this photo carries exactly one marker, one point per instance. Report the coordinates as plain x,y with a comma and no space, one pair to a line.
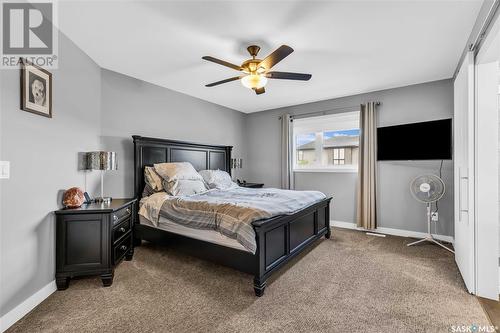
148,151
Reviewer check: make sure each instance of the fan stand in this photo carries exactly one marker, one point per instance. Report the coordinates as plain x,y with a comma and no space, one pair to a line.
429,237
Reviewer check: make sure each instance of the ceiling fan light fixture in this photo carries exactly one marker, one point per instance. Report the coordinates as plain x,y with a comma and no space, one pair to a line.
254,81
256,71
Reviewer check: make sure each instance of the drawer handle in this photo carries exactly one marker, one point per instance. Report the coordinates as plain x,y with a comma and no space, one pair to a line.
128,210
122,229
123,247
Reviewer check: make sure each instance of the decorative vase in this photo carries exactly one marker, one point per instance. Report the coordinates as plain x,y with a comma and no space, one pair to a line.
73,198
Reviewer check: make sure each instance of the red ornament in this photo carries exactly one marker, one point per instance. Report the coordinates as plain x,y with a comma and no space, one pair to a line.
73,198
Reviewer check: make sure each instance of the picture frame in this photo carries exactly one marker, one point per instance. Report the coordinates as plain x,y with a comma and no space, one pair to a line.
36,89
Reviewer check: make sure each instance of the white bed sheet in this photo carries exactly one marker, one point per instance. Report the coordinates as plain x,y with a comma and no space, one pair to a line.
210,236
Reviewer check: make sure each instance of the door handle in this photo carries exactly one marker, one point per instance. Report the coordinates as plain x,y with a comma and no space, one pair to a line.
460,209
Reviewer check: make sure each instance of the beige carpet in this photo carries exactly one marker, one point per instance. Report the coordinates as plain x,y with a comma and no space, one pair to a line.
350,283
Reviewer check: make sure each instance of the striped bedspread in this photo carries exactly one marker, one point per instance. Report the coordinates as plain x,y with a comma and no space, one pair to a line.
231,212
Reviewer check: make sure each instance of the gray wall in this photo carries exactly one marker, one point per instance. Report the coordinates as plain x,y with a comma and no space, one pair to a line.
44,160
396,207
131,106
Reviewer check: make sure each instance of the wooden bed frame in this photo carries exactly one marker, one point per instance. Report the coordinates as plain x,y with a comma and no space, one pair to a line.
279,239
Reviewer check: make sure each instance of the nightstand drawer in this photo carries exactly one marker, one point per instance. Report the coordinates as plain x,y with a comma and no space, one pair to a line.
121,230
122,248
119,215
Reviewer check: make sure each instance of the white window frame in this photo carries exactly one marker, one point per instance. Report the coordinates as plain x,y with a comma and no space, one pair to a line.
340,168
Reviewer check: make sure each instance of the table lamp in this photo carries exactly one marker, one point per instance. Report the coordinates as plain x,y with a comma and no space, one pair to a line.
102,160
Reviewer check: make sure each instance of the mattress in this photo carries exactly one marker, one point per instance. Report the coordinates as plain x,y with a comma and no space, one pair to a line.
210,236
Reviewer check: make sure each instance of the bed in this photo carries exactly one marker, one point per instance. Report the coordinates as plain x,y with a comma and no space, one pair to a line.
278,239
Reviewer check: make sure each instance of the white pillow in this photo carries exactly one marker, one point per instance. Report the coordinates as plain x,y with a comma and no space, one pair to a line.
217,179
176,171
182,187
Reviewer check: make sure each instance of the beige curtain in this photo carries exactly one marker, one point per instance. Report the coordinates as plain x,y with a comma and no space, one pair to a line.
286,152
366,191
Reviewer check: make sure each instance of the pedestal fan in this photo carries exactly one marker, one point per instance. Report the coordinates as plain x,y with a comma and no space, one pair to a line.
428,189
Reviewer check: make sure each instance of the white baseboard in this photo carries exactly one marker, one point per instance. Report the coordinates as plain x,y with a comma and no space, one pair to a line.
11,317
390,231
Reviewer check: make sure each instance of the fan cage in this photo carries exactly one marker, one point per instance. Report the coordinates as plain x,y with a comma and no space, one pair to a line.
428,177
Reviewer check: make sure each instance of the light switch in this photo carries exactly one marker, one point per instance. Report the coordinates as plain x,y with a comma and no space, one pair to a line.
4,169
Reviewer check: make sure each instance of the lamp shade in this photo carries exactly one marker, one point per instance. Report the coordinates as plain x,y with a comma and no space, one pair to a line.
101,160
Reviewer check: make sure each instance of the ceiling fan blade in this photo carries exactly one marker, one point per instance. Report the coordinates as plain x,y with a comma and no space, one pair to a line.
259,91
223,81
288,76
279,54
222,62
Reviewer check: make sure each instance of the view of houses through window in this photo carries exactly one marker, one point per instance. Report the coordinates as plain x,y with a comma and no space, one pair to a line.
326,142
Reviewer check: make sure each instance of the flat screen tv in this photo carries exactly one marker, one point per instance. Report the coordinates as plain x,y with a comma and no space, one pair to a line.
429,140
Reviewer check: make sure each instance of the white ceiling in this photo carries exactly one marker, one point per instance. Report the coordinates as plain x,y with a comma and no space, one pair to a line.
349,47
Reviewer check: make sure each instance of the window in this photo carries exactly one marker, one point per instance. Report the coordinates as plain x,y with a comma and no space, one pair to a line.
338,156
301,155
305,155
326,143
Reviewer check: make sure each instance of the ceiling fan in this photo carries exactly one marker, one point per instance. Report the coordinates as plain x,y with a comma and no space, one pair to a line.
257,71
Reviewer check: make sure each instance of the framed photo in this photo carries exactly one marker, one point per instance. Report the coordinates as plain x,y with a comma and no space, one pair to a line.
36,89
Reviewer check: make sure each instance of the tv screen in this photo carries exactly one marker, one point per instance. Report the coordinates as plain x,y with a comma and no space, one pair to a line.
429,140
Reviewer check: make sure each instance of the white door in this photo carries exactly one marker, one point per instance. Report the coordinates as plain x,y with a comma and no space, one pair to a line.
463,158
486,170
487,279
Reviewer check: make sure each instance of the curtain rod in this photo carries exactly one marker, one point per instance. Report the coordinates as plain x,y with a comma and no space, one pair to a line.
329,111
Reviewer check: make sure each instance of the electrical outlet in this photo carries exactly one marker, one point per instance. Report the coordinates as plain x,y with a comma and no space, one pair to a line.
435,216
4,169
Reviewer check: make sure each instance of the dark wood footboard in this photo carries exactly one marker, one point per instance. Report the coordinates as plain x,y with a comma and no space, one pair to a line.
281,238
278,239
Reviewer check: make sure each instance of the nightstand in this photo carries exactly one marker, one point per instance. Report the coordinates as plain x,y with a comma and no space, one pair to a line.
251,185
93,240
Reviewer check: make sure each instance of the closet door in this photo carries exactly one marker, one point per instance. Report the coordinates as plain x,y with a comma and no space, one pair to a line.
487,279
486,168
463,162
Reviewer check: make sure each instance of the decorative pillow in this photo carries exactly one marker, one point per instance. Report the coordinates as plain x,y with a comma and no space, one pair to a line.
152,179
218,179
177,171
182,187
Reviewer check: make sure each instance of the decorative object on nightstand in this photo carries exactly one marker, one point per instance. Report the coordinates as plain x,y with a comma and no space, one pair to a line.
93,240
73,198
104,161
236,163
243,183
